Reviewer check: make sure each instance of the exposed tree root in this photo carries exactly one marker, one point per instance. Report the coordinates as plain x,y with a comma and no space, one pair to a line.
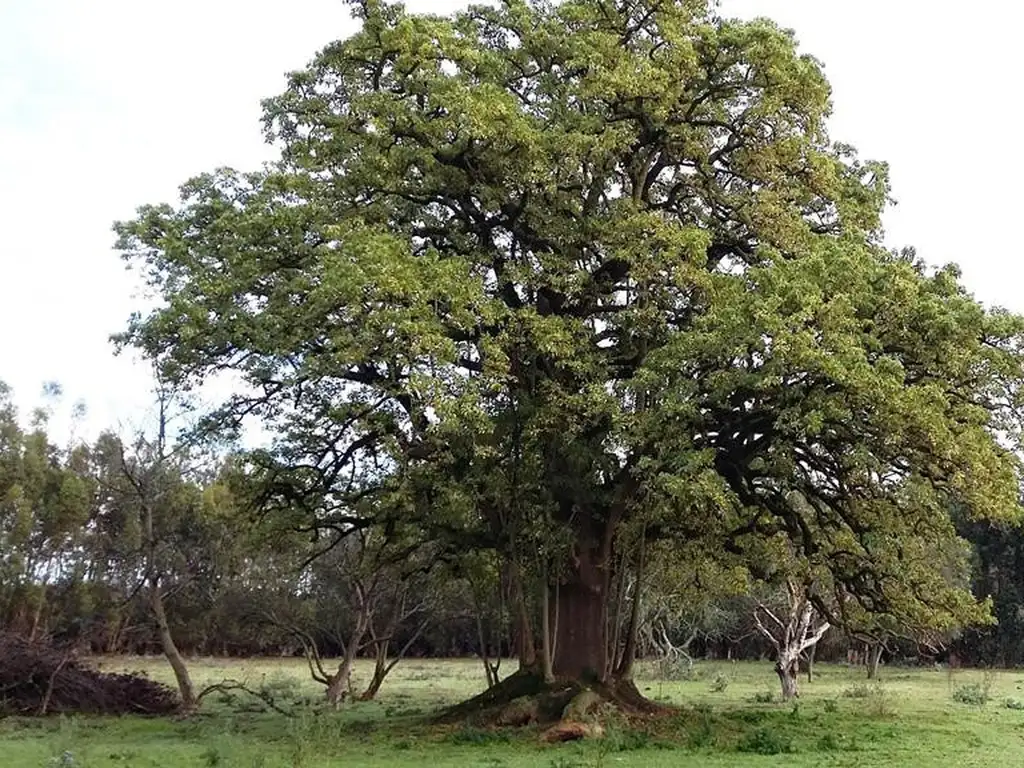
524,699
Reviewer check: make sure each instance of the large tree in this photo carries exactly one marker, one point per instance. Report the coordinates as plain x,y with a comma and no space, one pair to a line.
555,280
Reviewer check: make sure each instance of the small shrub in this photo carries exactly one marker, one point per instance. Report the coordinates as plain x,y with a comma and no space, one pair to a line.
1013,704
831,706
828,743
211,756
974,694
764,741
762,697
626,740
719,683
704,735
752,716
701,738
65,760
879,703
279,687
859,691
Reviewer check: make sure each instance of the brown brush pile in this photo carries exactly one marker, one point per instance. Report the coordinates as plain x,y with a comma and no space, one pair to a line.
38,679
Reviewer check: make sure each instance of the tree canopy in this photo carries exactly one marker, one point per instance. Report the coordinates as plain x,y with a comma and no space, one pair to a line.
557,280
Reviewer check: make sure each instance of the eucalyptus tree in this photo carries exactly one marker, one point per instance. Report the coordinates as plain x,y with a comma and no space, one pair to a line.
45,503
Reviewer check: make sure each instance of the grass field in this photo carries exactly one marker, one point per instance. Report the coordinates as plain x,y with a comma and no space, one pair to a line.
729,716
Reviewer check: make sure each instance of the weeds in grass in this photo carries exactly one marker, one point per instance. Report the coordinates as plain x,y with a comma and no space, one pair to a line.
751,716
478,737
859,691
565,762
1012,703
879,702
625,740
312,734
833,742
829,742
702,737
831,706
766,741
762,697
66,753
65,760
211,756
280,688
974,694
719,683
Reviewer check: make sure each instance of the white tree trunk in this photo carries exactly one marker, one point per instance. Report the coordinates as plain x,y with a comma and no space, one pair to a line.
792,637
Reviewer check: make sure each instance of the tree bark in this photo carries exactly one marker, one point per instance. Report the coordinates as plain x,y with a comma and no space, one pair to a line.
873,660
492,677
383,664
546,642
787,668
581,635
525,646
380,671
170,649
341,681
624,669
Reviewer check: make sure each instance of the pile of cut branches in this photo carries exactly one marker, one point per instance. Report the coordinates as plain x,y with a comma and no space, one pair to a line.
37,678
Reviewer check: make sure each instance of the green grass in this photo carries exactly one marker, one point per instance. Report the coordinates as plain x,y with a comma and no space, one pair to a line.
909,718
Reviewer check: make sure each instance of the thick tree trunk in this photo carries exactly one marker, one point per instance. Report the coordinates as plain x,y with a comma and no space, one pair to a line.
170,649
580,637
341,681
788,668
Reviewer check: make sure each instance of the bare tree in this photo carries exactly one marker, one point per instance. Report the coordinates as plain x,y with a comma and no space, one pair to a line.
796,632
152,471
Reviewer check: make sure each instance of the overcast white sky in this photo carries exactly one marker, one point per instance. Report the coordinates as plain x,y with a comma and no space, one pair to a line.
108,104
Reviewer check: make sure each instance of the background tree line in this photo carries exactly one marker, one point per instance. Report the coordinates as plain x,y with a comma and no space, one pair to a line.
73,568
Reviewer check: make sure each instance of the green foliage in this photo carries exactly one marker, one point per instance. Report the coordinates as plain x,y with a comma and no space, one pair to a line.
975,694
766,741
719,683
478,737
859,691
